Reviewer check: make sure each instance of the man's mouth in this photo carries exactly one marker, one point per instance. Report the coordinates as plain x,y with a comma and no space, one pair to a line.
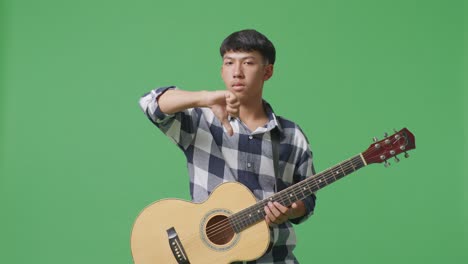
238,87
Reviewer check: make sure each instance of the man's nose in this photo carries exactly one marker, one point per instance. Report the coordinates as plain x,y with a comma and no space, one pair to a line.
238,72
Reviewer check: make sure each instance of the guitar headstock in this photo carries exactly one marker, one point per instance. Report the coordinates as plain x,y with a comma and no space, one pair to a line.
380,151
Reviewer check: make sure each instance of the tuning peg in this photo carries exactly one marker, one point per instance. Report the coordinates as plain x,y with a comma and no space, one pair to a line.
397,159
386,164
394,130
385,135
375,139
406,155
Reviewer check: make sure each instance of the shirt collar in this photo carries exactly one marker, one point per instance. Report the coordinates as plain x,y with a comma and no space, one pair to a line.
273,120
272,117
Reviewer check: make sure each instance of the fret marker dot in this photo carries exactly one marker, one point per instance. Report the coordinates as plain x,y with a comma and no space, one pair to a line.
337,172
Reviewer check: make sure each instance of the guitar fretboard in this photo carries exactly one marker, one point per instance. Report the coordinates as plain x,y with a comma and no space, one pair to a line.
256,213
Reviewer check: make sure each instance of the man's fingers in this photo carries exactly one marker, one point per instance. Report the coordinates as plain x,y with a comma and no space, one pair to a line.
269,222
231,98
269,215
283,209
279,211
276,213
228,127
232,111
274,210
232,104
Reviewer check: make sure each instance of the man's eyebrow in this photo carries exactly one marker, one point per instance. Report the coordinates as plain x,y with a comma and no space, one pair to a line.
242,58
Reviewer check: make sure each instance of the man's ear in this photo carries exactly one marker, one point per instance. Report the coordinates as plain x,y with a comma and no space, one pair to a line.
268,72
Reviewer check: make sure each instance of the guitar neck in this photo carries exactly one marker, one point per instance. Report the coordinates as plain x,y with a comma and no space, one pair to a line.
254,214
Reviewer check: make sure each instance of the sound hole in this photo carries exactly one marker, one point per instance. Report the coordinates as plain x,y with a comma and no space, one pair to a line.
219,230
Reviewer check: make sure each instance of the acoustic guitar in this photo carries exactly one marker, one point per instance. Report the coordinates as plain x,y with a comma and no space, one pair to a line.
229,226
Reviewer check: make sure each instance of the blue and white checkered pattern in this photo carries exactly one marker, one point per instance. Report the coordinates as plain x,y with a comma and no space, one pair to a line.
214,157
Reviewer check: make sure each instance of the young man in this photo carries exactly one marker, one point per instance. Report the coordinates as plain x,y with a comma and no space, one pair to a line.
226,136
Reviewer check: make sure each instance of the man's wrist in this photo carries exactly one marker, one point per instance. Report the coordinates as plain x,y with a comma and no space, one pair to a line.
203,98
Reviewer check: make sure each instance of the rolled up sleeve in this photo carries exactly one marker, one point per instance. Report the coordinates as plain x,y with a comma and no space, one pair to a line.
180,127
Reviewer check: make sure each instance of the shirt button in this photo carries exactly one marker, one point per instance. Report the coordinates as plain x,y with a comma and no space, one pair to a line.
249,165
250,137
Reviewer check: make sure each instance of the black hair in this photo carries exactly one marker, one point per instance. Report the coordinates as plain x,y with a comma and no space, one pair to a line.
249,40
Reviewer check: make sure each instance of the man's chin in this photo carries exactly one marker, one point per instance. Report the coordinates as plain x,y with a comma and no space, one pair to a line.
236,91
239,94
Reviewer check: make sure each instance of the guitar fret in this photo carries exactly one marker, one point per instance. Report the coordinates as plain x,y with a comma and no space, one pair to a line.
290,197
330,174
313,186
335,172
303,188
249,216
344,173
349,168
352,164
285,200
320,183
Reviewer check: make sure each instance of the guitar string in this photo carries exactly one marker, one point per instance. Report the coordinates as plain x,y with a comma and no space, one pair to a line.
328,175
281,197
298,190
222,226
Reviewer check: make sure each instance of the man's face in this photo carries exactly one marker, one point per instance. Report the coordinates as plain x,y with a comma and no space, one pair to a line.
244,73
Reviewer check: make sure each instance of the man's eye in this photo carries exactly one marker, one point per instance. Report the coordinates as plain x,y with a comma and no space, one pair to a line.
249,62
228,63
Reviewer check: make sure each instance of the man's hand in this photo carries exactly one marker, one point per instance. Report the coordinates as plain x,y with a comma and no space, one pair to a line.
223,104
277,214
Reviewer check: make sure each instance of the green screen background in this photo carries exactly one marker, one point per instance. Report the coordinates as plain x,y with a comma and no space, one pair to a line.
79,160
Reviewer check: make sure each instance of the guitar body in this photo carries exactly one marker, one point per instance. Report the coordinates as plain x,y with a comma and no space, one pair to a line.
199,230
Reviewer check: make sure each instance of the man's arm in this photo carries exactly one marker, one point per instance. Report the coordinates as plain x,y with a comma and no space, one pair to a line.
173,101
222,103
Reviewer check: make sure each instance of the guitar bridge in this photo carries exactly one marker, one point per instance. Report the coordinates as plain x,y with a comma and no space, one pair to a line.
176,247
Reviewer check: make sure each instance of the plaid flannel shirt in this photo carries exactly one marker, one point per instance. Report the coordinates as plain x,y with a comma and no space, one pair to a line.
214,157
